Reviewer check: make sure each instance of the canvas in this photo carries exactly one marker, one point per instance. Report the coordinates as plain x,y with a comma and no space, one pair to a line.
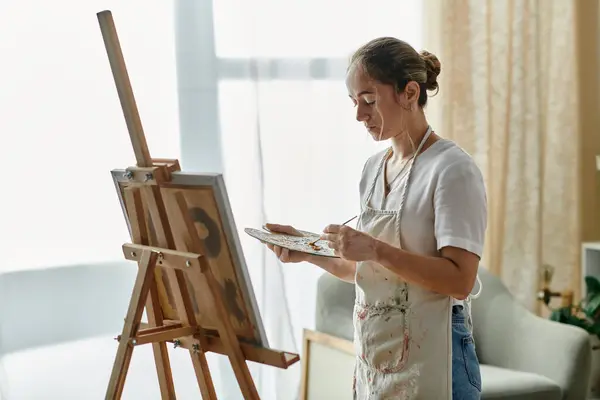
209,209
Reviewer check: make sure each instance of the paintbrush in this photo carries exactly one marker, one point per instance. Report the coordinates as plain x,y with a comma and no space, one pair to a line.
350,220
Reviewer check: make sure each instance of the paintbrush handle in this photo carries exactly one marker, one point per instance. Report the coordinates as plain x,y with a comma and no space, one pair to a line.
350,220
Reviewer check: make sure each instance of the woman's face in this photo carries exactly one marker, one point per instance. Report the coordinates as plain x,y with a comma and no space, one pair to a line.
382,110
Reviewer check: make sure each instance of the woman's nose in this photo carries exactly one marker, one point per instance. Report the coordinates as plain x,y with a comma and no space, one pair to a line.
361,115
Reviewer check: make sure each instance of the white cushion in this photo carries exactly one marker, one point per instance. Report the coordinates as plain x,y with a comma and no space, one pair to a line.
501,383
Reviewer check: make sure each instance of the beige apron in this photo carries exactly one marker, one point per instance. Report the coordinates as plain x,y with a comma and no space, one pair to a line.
402,333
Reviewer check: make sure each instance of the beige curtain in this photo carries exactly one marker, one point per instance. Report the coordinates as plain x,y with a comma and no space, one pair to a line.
509,97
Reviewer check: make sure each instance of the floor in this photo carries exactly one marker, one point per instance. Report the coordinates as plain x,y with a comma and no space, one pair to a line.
80,371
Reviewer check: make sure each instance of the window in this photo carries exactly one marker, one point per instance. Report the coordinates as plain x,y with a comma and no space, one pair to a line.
281,68
293,29
62,128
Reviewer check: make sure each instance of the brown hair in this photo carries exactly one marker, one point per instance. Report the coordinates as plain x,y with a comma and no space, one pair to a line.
394,62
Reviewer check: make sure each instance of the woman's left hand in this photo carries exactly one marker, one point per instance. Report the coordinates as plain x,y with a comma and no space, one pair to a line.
349,243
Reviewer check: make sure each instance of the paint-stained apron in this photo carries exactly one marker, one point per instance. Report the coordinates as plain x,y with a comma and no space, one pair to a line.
402,333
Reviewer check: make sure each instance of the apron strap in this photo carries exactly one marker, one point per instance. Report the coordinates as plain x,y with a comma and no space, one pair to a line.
404,189
407,182
382,162
476,295
410,168
467,304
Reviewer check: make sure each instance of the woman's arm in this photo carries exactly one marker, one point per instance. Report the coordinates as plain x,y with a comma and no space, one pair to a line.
460,218
452,274
338,267
460,209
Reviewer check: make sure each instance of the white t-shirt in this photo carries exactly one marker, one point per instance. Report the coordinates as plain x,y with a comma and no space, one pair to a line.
446,203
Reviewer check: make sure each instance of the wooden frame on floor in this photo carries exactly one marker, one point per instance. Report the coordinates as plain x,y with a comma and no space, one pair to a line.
331,347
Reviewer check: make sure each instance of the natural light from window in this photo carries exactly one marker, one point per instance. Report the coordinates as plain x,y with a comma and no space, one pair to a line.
310,28
62,127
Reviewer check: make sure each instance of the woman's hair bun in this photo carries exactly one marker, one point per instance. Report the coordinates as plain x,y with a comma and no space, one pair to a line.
433,67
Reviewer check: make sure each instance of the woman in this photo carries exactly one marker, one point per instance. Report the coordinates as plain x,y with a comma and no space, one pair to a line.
415,252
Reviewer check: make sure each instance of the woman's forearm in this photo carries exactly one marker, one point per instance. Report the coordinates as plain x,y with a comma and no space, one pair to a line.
341,269
437,274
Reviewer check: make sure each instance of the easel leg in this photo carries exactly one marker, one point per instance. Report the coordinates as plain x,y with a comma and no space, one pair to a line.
161,355
186,314
141,289
134,200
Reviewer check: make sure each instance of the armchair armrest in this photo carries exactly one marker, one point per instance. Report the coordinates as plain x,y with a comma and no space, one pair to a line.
507,335
335,305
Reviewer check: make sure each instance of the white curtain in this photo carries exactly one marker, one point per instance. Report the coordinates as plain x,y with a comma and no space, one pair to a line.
517,133
289,145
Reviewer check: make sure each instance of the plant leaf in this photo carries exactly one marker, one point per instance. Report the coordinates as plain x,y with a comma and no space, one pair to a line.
592,285
556,316
592,306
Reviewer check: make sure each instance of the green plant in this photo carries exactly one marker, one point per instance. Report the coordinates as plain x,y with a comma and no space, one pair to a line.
586,314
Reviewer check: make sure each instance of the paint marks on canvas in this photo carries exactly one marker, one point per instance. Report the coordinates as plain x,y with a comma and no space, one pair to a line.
208,231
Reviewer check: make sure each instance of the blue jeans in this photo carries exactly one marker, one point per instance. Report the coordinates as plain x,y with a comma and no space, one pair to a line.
466,376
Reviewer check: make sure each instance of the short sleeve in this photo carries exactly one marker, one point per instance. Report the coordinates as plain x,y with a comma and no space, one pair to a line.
460,207
368,173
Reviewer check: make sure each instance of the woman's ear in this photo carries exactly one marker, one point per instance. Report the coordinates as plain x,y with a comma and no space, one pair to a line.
412,92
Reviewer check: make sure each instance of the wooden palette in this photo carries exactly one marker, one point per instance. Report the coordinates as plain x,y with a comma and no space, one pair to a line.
291,242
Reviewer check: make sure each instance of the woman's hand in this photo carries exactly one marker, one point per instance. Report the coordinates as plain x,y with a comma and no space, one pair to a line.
349,243
286,255
343,269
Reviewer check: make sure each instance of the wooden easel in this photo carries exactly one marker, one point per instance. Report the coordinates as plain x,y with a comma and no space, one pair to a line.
164,250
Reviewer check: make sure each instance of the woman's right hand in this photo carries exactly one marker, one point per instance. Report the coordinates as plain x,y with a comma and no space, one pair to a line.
286,255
